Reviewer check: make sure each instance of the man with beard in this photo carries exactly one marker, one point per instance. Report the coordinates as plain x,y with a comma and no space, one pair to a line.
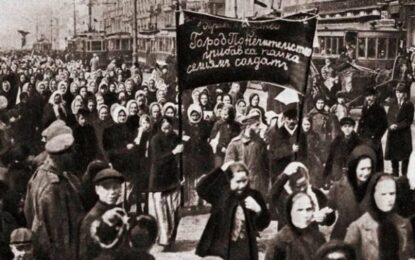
53,207
285,143
372,125
249,148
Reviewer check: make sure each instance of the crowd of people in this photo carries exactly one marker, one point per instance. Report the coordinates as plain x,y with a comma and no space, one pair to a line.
99,163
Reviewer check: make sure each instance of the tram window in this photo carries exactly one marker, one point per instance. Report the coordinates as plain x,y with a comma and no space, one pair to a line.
96,46
382,48
341,43
328,46
371,47
361,45
392,48
334,45
322,45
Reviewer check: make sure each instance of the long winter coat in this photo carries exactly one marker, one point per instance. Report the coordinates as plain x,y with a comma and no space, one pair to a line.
215,241
281,153
399,141
254,154
53,211
291,245
164,174
339,152
85,146
115,142
363,235
227,131
373,124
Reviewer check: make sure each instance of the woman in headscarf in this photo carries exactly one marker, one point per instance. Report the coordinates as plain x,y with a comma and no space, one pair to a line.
296,178
241,109
66,95
204,101
8,93
85,145
380,233
155,115
347,194
133,119
103,122
313,155
300,238
122,98
141,102
198,156
119,145
54,109
164,184
254,104
235,92
238,213
170,110
142,139
224,130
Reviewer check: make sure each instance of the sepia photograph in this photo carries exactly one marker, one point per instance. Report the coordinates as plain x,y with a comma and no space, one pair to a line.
207,129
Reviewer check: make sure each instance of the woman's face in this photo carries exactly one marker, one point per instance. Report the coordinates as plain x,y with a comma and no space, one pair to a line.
255,101
364,169
6,86
129,86
385,194
239,181
302,212
133,109
91,106
203,99
78,105
224,114
57,99
169,112
103,89
100,99
155,112
195,116
227,100
41,88
219,99
242,107
121,87
92,87
53,85
83,92
63,88
112,88
122,117
74,88
145,124
103,114
166,127
306,125
81,120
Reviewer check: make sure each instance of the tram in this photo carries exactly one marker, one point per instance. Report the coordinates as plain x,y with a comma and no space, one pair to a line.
84,45
119,47
42,46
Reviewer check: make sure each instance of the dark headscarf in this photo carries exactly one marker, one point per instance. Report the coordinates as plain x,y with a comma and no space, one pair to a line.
359,153
387,232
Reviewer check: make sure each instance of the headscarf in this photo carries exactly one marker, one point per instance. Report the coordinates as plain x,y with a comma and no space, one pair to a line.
116,111
358,153
129,103
288,207
76,99
63,83
52,97
167,106
388,236
194,108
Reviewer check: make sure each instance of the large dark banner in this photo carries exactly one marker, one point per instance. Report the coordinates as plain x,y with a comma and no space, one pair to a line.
214,49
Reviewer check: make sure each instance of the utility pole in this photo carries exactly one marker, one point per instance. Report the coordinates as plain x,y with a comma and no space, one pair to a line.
74,18
51,30
90,15
135,33
37,28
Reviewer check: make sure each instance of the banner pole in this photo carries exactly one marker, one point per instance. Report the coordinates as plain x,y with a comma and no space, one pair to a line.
302,101
179,102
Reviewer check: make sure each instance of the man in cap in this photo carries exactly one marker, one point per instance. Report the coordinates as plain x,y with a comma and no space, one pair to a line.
53,207
340,149
285,143
399,138
21,244
373,124
249,148
108,188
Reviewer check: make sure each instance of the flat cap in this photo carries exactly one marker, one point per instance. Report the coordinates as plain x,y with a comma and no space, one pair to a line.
106,174
290,113
59,140
21,236
347,121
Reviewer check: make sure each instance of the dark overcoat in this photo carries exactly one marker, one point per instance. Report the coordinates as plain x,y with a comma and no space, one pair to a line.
399,141
215,241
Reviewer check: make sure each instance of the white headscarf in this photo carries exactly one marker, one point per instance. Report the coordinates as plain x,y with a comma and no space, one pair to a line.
194,108
116,111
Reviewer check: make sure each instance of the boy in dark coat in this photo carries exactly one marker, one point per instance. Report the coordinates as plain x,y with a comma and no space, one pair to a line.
399,141
237,214
108,188
340,149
